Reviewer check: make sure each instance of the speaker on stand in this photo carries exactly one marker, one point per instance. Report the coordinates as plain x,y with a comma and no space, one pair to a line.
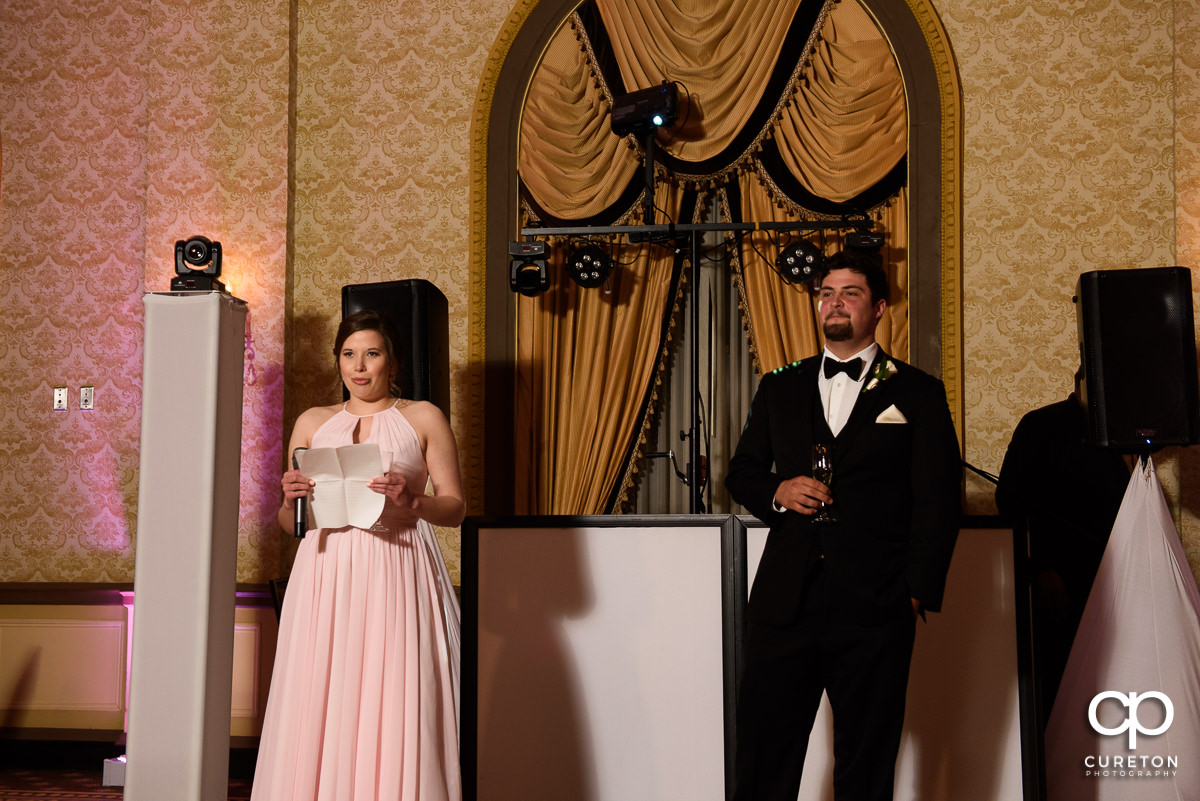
1138,348
419,312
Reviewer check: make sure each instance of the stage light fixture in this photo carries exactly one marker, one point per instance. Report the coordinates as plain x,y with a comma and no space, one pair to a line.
800,262
527,271
864,240
589,266
645,110
197,265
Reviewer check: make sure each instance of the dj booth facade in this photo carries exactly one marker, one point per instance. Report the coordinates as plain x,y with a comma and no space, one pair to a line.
601,657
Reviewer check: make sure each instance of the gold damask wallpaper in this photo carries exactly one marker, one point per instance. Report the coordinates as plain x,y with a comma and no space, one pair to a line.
384,93
125,126
1185,491
328,143
1080,133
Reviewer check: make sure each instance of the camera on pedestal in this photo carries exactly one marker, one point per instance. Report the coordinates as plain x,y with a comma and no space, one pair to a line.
197,266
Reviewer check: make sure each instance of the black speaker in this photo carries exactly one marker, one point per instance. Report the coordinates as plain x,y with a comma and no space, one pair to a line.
1137,341
419,312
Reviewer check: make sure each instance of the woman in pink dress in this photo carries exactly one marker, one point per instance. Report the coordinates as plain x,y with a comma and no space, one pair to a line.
364,693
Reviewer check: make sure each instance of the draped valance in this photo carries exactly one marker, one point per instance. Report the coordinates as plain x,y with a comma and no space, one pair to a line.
804,94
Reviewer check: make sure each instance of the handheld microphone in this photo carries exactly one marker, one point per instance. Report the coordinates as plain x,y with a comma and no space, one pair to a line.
301,502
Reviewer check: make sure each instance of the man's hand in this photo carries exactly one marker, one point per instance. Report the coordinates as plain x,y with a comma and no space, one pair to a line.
802,494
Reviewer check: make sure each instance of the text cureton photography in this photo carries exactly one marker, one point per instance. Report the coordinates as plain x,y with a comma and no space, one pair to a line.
1130,765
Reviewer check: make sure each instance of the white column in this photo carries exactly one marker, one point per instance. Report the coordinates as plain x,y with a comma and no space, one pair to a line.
186,548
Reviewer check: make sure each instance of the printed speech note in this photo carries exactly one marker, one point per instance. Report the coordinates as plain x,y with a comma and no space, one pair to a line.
341,497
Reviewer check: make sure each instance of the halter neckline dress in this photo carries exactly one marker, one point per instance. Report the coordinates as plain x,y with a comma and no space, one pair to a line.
364,693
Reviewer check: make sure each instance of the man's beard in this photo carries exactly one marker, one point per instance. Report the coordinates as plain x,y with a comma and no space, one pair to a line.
838,331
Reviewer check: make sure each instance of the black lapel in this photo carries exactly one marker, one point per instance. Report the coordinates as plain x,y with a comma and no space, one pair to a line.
866,405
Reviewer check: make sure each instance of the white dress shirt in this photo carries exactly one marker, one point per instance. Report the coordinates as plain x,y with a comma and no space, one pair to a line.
839,393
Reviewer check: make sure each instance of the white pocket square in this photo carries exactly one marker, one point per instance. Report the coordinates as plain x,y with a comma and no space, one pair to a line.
891,415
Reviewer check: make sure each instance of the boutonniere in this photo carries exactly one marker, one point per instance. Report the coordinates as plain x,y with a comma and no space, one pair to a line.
882,372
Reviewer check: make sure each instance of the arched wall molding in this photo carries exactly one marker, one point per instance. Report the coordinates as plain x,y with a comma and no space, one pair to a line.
934,95
927,63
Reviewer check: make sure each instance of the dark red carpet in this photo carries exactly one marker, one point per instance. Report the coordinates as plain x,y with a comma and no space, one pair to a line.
73,771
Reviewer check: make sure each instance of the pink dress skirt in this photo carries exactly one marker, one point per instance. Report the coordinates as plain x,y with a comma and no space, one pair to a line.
364,693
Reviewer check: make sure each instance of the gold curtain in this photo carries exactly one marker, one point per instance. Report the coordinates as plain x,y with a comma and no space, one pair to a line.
843,131
845,127
569,160
781,318
585,360
722,51
791,109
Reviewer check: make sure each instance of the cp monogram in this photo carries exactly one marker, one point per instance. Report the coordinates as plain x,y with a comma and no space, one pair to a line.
1131,722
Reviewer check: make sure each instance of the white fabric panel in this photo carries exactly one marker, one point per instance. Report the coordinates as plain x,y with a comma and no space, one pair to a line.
185,560
1140,633
600,664
962,735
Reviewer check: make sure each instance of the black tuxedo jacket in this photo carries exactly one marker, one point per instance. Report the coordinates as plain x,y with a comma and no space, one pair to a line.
896,489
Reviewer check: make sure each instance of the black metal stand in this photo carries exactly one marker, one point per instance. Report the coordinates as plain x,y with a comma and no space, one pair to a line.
648,195
695,485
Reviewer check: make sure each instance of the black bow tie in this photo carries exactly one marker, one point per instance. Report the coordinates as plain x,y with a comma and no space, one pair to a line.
852,368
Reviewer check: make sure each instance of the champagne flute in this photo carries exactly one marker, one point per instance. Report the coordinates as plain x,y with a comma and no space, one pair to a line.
822,464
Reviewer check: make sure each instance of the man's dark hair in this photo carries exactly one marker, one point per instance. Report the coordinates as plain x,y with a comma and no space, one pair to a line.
867,263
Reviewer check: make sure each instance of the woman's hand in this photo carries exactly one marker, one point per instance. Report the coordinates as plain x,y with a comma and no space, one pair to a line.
295,485
395,487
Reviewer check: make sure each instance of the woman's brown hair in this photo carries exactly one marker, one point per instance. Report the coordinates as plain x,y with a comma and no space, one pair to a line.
371,320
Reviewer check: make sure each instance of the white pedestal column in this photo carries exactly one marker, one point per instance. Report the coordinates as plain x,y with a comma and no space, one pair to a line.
186,548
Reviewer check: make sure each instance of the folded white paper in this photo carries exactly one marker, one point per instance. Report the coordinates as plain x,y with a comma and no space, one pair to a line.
891,415
341,497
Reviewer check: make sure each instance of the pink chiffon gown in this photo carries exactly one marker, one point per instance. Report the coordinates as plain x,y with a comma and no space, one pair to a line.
364,693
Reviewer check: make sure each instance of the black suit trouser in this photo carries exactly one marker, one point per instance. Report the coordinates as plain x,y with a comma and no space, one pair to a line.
860,661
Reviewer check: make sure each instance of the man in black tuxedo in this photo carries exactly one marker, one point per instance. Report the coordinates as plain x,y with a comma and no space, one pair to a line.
834,605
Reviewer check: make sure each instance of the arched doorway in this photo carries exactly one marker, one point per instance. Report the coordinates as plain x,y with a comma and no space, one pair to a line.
934,133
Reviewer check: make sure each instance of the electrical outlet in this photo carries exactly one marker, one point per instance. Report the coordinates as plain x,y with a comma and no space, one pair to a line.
87,397
60,399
